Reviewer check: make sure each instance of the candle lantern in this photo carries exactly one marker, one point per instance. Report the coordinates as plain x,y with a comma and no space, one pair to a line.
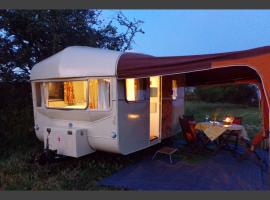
228,120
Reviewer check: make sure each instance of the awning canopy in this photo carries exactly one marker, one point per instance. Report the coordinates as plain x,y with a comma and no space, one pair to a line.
132,65
250,66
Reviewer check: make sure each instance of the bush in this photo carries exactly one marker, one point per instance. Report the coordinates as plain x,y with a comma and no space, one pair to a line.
16,116
245,94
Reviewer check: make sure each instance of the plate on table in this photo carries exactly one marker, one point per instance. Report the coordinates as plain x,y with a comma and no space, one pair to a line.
215,122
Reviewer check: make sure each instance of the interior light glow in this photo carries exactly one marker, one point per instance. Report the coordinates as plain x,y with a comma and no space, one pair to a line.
130,89
174,89
133,116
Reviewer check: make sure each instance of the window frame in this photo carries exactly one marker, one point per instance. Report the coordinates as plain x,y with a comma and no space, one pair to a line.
40,88
146,82
45,92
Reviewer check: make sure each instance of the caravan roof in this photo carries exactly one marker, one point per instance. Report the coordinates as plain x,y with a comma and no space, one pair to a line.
77,61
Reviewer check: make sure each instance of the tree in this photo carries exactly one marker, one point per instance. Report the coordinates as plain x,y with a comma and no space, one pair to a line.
246,94
27,37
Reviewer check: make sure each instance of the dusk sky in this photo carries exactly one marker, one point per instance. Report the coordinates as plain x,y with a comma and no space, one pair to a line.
187,32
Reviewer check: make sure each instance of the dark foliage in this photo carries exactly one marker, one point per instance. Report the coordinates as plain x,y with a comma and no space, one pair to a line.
16,117
245,94
29,36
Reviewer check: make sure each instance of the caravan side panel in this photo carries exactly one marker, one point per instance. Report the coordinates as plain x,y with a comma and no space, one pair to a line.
99,127
133,122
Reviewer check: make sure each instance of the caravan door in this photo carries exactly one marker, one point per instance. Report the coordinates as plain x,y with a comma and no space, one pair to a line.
154,108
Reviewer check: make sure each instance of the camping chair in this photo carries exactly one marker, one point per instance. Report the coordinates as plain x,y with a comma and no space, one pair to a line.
196,140
252,146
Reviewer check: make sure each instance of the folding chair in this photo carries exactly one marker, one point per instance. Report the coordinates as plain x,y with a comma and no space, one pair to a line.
196,140
252,146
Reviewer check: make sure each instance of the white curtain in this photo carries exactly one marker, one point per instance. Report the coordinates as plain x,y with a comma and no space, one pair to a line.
139,89
46,93
103,95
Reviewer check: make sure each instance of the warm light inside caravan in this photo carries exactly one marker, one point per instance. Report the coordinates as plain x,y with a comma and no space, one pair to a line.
154,107
99,94
133,116
135,89
174,89
67,94
130,89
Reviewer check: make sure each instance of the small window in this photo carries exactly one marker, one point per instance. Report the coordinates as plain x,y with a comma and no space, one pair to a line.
67,94
38,94
99,94
174,89
135,89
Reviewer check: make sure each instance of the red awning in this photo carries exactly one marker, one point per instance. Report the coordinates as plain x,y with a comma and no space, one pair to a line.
132,65
252,65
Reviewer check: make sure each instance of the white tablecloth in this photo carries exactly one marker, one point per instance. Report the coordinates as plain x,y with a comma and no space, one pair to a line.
213,131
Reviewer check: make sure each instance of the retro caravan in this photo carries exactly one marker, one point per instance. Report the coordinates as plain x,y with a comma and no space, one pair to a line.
81,105
87,99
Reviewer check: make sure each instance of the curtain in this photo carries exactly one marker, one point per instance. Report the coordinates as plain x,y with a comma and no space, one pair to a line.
139,85
46,93
174,89
69,97
93,94
99,94
103,95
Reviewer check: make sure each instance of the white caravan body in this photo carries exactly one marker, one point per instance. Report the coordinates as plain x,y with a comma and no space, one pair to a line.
95,119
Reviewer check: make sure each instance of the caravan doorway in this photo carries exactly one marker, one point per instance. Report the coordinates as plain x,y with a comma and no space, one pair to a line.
154,108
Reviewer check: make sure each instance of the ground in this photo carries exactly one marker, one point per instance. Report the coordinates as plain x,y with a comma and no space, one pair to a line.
18,171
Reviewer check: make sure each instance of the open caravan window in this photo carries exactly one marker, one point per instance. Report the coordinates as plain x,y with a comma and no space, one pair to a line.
135,89
67,94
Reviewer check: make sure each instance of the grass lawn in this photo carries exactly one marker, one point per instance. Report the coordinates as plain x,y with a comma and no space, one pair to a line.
19,172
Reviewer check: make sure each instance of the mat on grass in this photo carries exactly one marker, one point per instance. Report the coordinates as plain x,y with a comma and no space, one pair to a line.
220,172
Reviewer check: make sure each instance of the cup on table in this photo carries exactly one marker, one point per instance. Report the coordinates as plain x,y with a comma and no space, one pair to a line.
207,118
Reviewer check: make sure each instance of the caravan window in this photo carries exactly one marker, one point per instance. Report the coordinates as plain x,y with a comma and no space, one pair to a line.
99,94
67,94
135,89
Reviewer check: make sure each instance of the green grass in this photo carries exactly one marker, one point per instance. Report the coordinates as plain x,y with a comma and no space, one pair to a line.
251,116
19,172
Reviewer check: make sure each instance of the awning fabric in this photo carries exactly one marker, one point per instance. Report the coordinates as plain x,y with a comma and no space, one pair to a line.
141,65
251,65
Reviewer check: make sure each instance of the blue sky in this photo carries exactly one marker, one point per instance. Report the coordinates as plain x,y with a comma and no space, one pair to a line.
187,32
